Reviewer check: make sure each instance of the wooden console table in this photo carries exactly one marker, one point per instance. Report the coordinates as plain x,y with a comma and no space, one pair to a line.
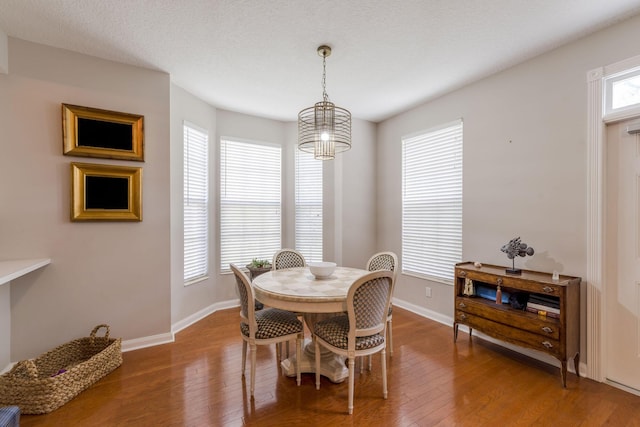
558,336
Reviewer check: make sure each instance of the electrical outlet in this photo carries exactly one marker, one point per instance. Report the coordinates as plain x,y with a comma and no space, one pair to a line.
427,291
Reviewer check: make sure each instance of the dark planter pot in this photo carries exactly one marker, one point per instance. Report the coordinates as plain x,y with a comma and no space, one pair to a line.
256,271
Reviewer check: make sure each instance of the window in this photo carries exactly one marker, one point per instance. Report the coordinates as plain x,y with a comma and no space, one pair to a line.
308,184
250,205
622,91
432,202
196,203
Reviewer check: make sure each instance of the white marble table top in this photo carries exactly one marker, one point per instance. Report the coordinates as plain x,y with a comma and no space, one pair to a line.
297,289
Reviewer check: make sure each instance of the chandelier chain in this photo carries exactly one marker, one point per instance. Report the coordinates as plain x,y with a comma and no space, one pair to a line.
325,97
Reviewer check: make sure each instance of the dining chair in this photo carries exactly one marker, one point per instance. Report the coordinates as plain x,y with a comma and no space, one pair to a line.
288,258
385,261
266,326
360,332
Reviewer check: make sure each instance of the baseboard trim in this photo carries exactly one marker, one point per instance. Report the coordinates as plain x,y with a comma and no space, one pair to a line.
195,317
150,341
424,312
153,340
623,387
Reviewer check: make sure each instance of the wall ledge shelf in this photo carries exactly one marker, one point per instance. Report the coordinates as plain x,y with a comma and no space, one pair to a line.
12,269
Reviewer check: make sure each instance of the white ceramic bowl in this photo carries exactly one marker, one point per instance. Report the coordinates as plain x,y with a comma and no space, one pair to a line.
322,270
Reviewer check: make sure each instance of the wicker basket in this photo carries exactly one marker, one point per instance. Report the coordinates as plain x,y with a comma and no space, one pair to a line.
43,384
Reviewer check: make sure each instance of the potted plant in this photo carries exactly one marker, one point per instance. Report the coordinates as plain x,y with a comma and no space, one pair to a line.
258,266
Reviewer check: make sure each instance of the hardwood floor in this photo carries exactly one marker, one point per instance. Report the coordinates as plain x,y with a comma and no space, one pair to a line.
196,381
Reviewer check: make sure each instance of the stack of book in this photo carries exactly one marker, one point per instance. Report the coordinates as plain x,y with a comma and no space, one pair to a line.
544,305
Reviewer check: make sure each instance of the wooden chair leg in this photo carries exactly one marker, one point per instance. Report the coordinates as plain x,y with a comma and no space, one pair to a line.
252,352
244,355
384,373
352,365
390,336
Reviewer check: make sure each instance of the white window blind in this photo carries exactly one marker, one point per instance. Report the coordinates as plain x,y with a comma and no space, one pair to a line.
308,183
432,202
250,202
196,202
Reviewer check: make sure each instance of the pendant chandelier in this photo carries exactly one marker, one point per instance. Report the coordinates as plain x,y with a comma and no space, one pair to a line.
324,129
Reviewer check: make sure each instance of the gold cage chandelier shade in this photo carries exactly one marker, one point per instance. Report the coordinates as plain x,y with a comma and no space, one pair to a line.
324,129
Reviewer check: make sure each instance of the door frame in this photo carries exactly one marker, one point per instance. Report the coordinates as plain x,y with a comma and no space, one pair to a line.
596,255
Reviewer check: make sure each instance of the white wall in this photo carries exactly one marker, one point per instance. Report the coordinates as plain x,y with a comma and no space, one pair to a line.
4,53
524,161
5,290
355,191
101,272
5,326
187,300
251,128
353,174
191,302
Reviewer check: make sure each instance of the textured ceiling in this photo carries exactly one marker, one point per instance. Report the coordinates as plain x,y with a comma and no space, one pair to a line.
259,56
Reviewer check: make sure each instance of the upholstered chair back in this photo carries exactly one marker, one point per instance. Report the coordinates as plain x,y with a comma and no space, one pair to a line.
383,261
288,258
246,295
368,303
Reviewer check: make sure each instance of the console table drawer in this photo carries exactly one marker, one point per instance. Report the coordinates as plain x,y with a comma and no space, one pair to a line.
510,334
500,313
545,288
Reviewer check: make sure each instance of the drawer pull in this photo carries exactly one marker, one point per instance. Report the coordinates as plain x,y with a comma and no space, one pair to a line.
547,344
462,305
463,316
548,289
547,329
500,281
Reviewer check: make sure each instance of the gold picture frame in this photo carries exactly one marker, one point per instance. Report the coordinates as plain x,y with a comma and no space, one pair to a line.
105,192
91,132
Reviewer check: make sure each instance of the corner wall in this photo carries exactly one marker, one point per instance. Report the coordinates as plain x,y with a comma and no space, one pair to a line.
189,300
524,162
101,272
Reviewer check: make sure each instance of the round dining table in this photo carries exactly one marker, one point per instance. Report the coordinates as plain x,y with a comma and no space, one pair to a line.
297,290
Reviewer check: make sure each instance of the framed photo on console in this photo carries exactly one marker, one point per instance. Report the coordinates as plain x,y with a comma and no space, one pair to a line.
91,132
105,192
